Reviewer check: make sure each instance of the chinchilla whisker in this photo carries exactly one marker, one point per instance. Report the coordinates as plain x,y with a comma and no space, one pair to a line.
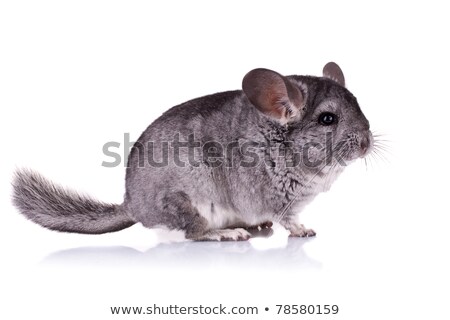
378,156
382,147
382,142
380,153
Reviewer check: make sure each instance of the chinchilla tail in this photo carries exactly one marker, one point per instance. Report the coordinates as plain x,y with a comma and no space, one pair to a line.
57,208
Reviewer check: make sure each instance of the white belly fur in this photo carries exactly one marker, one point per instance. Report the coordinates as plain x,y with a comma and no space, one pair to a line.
218,217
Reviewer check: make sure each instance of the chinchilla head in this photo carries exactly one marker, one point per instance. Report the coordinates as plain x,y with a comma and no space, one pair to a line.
321,118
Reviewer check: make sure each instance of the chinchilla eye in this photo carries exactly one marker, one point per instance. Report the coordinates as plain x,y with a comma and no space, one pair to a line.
327,118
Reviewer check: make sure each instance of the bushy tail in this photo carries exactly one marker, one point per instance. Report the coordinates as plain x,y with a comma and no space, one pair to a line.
57,208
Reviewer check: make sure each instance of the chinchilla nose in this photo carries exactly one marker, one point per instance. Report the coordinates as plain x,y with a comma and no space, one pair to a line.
364,145
365,142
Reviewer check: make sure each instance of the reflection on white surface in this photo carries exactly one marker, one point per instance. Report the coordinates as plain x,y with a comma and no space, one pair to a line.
188,254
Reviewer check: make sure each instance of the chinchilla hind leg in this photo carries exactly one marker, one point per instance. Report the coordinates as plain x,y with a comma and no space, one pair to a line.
177,213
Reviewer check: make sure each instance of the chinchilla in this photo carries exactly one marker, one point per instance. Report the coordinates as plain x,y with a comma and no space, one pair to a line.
218,166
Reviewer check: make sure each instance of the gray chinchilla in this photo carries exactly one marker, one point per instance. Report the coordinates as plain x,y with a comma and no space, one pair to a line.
217,166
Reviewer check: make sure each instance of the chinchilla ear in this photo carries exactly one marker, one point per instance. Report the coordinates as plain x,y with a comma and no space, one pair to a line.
273,94
333,72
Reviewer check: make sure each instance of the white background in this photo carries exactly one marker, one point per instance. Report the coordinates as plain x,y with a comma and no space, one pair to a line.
75,75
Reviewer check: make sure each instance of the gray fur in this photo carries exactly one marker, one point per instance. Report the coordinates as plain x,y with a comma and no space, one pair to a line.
60,209
215,202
